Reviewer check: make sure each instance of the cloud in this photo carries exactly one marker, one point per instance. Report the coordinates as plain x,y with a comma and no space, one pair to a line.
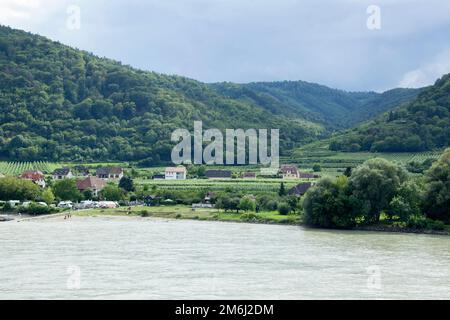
428,73
27,13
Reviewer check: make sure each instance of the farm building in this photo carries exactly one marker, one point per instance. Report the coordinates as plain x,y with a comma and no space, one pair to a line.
91,183
175,173
218,174
113,173
300,189
308,175
36,176
249,175
289,172
62,173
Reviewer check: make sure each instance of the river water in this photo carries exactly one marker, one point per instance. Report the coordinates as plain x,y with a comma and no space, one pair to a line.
126,258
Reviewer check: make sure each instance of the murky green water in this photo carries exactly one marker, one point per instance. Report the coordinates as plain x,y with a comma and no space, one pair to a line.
101,258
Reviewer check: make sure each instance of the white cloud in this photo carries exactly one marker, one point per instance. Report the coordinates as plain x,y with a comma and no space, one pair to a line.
428,73
25,13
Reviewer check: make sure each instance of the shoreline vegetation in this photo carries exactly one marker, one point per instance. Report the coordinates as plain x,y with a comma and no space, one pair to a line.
182,212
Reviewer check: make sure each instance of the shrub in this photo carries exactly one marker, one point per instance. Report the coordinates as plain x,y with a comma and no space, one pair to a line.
249,217
144,213
37,209
284,208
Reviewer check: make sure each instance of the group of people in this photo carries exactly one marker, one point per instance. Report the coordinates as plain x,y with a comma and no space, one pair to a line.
68,216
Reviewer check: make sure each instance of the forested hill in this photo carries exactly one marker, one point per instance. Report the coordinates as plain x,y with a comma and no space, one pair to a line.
336,109
58,103
423,124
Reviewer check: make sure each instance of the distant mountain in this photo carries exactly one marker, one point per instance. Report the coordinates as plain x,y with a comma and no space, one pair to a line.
423,124
331,107
62,104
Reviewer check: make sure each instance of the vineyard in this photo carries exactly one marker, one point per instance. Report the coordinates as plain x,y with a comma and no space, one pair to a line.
255,186
16,168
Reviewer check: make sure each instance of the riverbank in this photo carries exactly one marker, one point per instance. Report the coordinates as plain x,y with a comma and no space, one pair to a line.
211,214
185,212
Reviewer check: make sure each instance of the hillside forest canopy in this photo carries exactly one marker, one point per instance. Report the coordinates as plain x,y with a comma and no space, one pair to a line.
62,104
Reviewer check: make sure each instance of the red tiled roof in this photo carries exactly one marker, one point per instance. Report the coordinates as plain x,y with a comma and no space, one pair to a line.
91,183
32,175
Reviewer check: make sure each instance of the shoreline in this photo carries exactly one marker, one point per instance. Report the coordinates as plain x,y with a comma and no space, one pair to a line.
216,218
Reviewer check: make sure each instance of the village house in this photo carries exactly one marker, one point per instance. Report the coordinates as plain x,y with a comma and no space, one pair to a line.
62,173
175,173
218,174
300,189
289,172
36,176
249,175
112,173
91,183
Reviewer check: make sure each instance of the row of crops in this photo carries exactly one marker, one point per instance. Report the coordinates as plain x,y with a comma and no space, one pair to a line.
258,185
16,168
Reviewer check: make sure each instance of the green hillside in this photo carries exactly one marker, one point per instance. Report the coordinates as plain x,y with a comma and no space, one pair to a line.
62,104
331,107
423,124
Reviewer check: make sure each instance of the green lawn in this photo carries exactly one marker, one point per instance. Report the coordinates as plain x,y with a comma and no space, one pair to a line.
185,212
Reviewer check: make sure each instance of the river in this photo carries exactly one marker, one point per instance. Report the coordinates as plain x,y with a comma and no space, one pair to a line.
138,258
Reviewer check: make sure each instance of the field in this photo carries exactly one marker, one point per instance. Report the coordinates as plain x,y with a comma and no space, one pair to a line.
16,168
333,163
255,185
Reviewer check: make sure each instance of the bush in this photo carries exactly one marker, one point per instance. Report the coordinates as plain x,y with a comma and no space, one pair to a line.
37,209
144,213
249,217
284,208
435,225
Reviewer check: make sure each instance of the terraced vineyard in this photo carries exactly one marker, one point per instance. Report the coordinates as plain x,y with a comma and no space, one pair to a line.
16,168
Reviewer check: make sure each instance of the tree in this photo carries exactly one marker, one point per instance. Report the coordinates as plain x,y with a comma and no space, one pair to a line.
407,201
126,183
112,193
12,188
316,167
329,204
47,196
293,202
247,203
282,190
66,189
375,183
348,171
437,194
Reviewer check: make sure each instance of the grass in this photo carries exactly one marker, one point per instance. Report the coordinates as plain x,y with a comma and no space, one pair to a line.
185,212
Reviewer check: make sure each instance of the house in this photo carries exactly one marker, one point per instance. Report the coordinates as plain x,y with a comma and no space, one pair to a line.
113,173
249,175
94,184
175,173
62,173
300,189
36,176
289,172
218,174
82,171
307,175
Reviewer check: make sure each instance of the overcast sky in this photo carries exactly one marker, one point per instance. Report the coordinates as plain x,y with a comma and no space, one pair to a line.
323,41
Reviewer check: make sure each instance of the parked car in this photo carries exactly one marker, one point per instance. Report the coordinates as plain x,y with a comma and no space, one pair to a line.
65,205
